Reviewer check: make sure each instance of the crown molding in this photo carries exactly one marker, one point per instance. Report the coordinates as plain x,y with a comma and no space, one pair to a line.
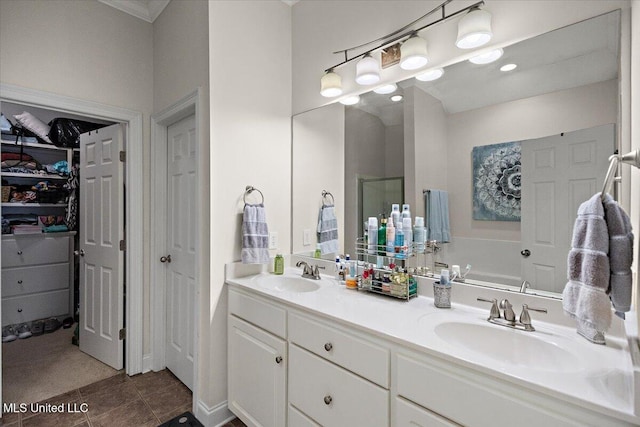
145,10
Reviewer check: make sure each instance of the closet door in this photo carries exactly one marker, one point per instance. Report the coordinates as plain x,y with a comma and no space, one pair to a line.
101,260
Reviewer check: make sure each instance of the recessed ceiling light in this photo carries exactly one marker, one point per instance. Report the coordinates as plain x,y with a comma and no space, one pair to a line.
487,57
508,67
396,98
430,75
350,100
383,90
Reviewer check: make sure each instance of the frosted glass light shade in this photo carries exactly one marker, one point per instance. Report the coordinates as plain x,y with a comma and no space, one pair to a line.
430,75
350,100
367,71
383,90
474,29
331,85
413,53
487,57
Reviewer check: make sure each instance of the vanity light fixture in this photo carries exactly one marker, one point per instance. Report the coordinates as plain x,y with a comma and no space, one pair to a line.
350,100
487,57
386,89
413,48
474,29
508,67
413,53
367,71
331,84
396,98
430,75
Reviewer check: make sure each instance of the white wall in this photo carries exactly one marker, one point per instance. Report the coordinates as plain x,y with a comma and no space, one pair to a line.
104,56
394,151
635,142
319,151
322,27
250,143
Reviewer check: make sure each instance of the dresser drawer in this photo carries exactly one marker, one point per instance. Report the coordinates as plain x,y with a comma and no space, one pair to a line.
29,280
298,419
410,415
33,250
333,396
347,350
258,312
32,307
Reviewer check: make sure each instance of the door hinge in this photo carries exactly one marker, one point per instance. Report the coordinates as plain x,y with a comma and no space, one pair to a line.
123,156
122,334
123,245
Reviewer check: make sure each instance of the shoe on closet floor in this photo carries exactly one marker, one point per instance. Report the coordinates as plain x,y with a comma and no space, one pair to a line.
37,327
51,325
9,334
23,330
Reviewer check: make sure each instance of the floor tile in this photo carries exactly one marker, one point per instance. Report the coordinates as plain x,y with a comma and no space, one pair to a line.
151,382
70,398
134,414
174,413
101,385
238,423
168,399
48,419
10,418
110,398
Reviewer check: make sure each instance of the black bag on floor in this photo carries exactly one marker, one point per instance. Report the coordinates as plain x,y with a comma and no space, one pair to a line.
66,132
184,420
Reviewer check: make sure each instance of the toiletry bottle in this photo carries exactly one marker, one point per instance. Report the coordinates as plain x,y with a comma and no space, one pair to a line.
444,277
399,243
395,214
391,237
350,267
337,272
408,234
419,235
278,264
406,212
382,236
373,235
318,252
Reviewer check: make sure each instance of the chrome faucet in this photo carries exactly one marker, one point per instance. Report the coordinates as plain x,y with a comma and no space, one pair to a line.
523,287
309,272
509,319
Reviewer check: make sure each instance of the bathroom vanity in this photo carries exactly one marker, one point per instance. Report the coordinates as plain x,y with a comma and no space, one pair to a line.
308,352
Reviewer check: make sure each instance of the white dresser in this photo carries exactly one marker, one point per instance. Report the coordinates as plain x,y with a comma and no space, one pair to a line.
37,276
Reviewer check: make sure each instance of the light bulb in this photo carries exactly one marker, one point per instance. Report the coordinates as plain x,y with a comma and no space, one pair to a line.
350,100
487,57
508,67
430,75
383,90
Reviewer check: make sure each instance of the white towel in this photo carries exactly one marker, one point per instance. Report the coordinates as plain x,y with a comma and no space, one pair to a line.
437,211
255,235
327,230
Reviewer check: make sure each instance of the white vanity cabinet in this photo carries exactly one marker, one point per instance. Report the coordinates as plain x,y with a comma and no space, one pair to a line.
257,361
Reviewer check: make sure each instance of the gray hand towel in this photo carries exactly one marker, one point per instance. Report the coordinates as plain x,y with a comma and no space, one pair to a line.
255,235
327,230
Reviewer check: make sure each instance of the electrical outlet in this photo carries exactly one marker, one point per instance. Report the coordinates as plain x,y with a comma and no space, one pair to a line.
306,237
273,240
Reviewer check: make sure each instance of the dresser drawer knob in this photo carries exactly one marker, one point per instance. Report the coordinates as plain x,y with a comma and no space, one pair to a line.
278,360
19,310
328,346
19,252
19,282
328,400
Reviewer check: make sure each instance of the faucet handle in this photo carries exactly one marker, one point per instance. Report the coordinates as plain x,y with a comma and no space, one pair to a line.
495,311
525,318
316,272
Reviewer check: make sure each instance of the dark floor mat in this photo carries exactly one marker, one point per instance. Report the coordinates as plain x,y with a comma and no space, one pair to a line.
183,420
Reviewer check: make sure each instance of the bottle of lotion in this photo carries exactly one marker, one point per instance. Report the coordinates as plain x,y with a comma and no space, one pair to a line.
391,238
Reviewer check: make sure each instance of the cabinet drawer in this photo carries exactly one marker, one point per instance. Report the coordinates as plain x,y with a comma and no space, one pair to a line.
345,349
33,250
32,307
410,415
29,280
332,396
298,419
470,399
261,313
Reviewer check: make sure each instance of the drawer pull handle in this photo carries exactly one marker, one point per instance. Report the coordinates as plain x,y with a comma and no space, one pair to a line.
19,310
278,360
328,346
19,252
328,400
19,282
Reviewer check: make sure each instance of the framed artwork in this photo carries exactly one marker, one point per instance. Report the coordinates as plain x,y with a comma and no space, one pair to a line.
497,182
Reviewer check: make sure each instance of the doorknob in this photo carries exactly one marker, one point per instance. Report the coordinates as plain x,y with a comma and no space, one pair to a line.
165,258
80,252
525,253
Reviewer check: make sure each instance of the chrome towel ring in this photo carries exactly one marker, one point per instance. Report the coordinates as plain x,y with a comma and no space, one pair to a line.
250,189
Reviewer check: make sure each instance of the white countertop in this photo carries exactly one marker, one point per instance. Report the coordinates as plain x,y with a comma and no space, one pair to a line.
599,378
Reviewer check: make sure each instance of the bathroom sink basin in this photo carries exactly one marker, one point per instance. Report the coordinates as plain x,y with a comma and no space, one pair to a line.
509,346
286,283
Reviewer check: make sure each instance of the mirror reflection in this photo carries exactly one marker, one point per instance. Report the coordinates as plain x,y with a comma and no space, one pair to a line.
558,106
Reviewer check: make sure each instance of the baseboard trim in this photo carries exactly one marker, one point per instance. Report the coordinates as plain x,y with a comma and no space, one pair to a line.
214,417
147,362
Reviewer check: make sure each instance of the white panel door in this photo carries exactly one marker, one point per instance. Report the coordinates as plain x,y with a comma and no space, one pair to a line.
181,243
101,260
559,173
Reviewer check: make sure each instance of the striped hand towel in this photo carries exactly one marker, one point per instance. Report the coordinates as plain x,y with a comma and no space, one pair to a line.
255,235
327,230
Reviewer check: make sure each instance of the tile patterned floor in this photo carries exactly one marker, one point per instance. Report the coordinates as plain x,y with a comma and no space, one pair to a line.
145,400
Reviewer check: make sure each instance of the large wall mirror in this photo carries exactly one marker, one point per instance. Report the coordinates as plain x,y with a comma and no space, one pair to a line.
558,109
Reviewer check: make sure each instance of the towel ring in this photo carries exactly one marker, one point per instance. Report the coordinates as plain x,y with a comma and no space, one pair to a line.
250,189
325,195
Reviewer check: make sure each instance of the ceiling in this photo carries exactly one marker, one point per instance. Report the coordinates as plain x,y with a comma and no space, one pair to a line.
569,57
